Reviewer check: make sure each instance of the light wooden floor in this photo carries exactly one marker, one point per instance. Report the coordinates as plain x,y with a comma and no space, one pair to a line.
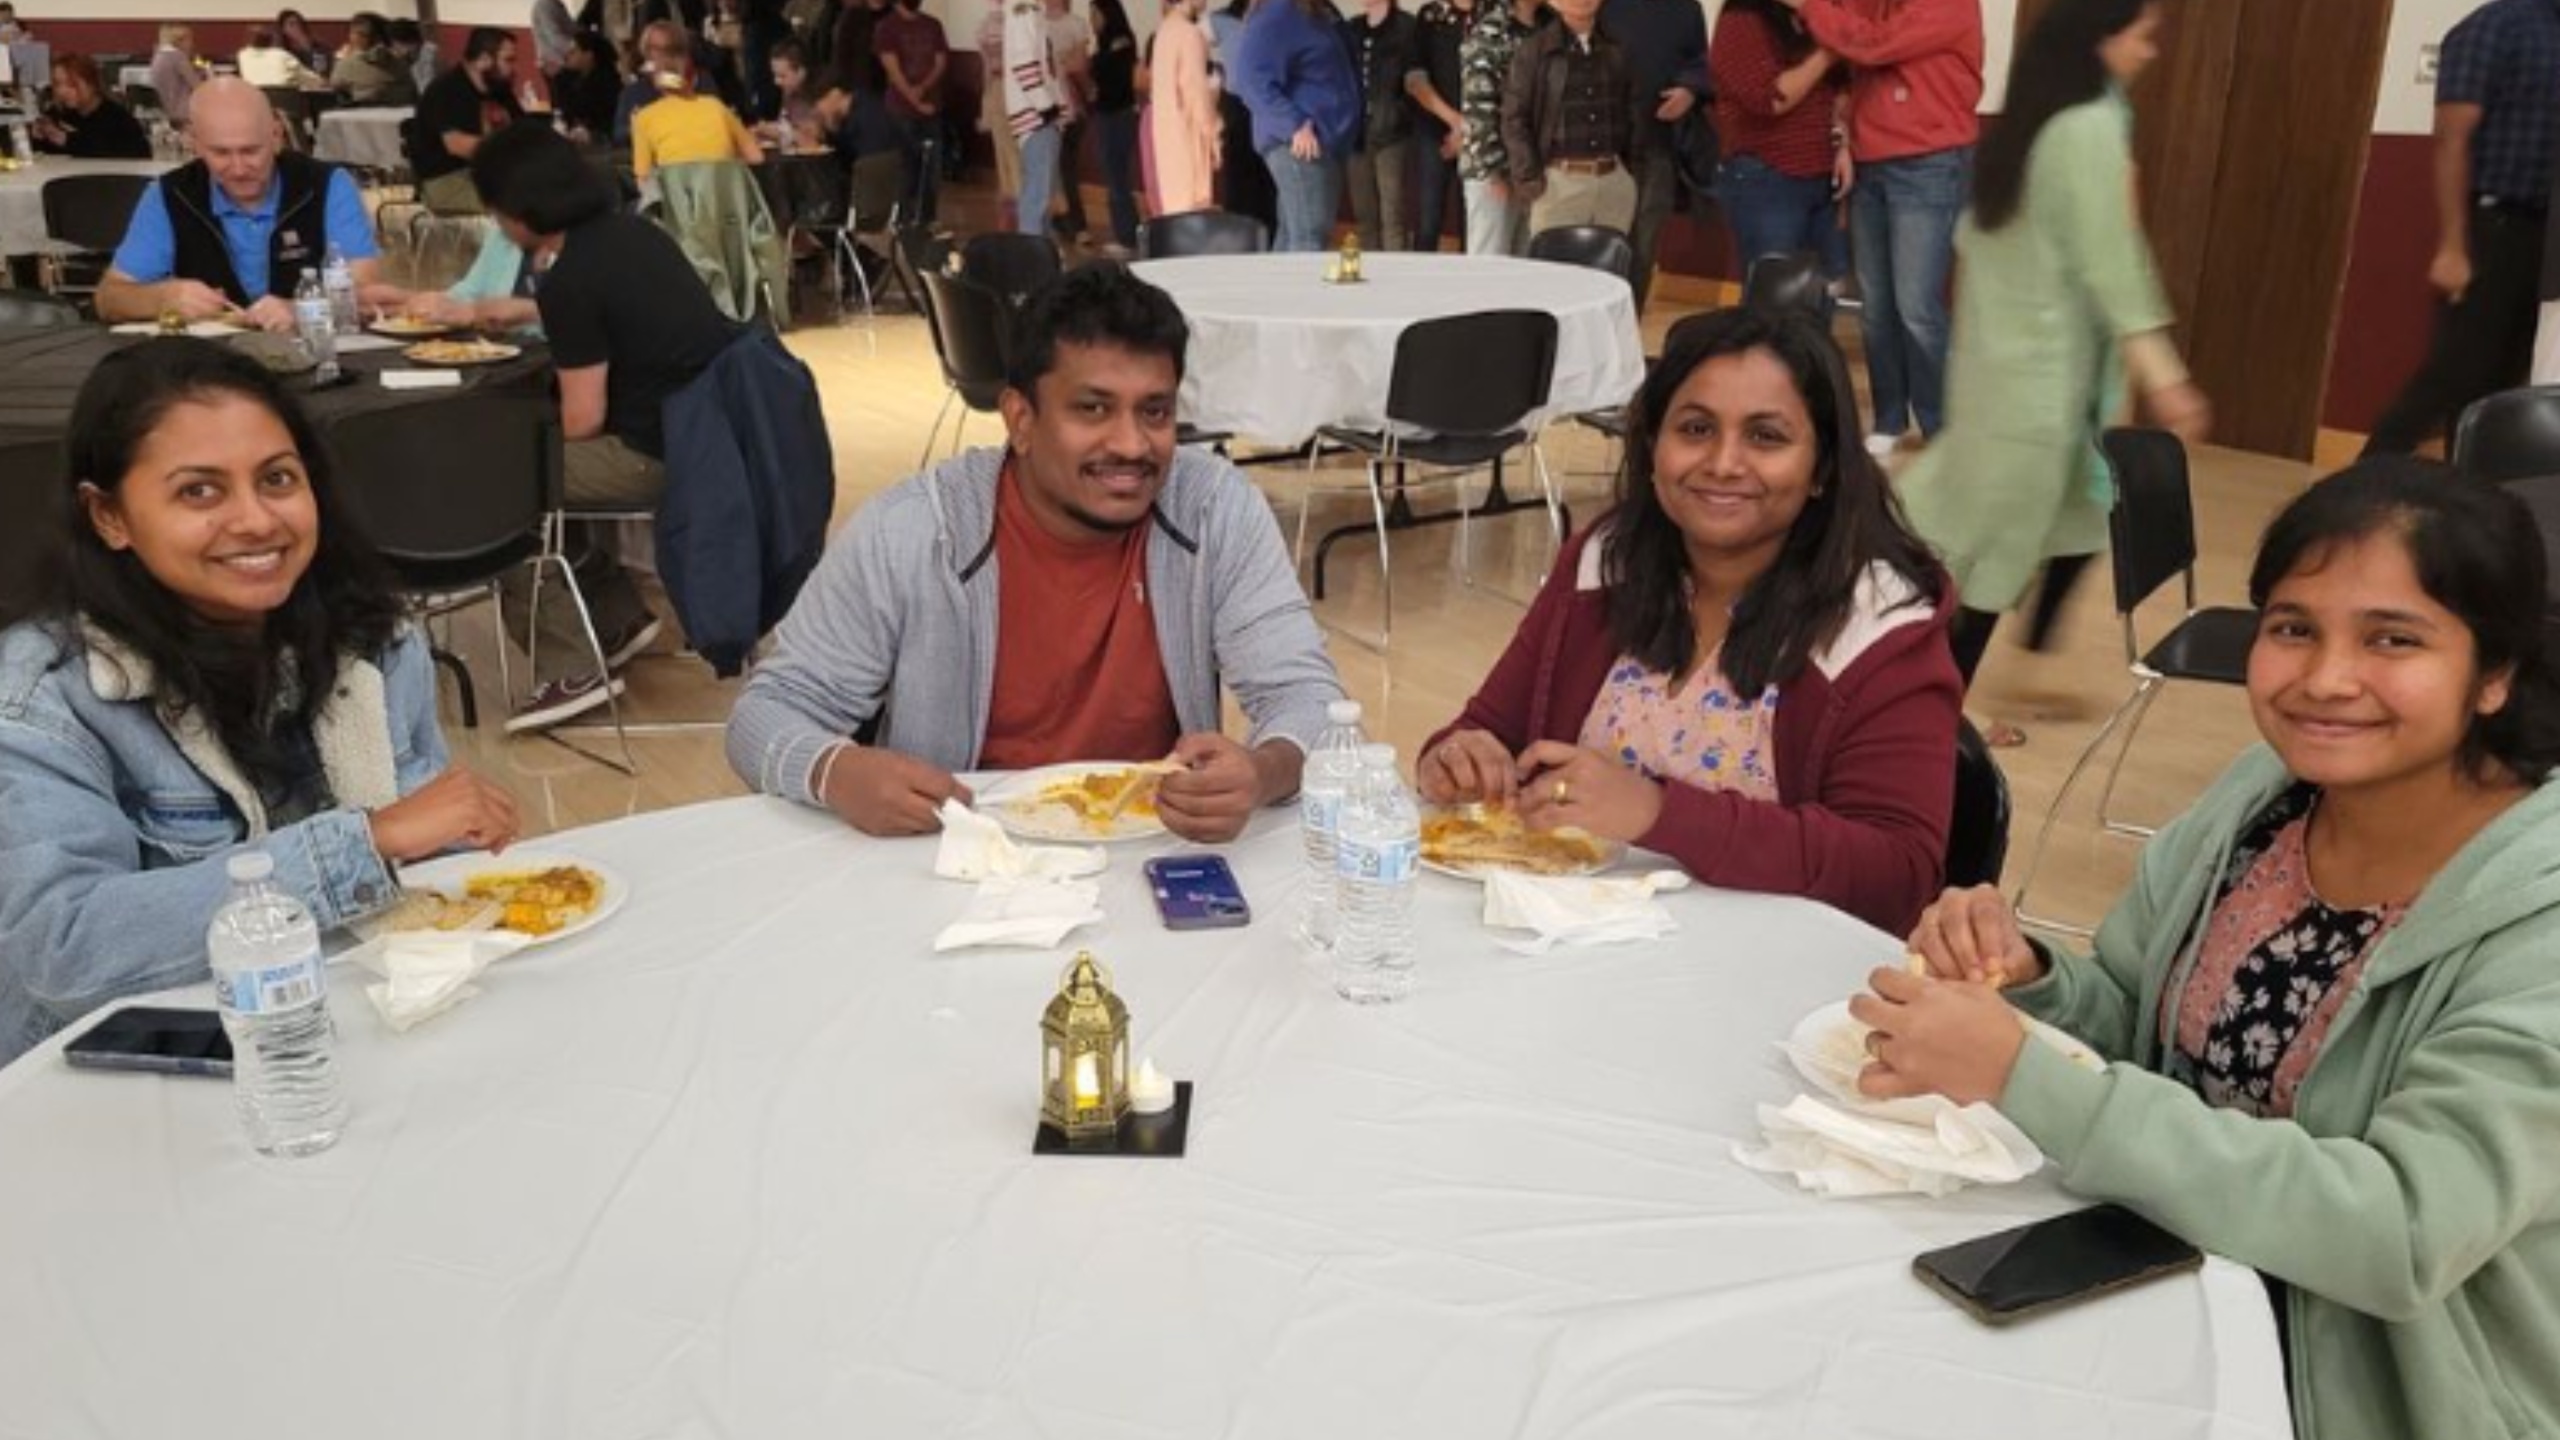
881,389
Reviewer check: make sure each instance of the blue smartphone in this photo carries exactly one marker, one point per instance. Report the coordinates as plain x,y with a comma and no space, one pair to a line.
156,1040
1197,892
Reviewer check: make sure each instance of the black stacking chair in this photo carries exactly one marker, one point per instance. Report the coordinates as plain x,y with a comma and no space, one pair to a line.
1593,247
1978,835
972,337
1201,232
85,217
1792,281
1011,265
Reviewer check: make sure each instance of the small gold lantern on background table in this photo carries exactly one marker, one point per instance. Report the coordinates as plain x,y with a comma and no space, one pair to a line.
1084,1057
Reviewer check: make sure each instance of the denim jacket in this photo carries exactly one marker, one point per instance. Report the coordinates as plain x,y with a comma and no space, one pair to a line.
115,820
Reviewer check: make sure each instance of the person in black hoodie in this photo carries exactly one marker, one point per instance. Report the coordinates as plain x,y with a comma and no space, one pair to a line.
82,122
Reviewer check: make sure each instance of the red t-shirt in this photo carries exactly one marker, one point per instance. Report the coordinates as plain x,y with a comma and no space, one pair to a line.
916,39
1747,62
1079,675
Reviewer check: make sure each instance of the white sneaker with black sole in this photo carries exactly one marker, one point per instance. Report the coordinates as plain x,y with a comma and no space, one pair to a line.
555,701
631,644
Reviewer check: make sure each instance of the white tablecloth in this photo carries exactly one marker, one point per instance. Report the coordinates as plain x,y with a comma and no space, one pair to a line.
1276,352
22,229
748,1161
366,135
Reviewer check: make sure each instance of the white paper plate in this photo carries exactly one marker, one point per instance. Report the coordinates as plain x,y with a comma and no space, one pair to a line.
1010,802
447,873
1829,1047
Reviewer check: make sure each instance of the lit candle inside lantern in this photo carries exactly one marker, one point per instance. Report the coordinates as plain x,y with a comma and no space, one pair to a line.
1088,1081
1152,1094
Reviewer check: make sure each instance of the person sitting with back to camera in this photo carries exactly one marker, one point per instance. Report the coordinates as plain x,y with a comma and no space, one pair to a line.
1745,665
1137,580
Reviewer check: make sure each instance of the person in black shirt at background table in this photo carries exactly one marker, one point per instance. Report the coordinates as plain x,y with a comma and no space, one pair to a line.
82,122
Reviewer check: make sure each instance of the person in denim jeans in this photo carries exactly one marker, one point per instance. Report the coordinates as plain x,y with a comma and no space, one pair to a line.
215,660
1777,97
1911,130
1297,80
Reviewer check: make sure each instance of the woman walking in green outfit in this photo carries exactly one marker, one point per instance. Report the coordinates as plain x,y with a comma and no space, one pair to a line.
2058,304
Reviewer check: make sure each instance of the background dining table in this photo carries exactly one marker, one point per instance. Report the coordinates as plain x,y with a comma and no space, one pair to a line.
749,1158
22,227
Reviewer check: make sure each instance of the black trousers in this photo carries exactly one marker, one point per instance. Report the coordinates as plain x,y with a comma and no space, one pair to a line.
1971,633
2483,343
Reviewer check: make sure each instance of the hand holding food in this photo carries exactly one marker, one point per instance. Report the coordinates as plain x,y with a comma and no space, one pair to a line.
194,300
1973,935
1934,1038
271,315
1213,793
1564,784
1467,767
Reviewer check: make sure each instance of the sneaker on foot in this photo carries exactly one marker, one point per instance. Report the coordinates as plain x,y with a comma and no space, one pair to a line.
554,701
634,641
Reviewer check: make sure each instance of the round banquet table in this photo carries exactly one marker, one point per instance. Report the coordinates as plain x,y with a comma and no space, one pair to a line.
366,135
22,228
1276,352
748,1159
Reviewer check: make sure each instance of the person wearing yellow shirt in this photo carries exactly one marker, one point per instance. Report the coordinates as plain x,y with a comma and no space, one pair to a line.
682,128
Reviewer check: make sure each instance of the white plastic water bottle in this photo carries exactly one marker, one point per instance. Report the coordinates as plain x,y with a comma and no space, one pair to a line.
1378,861
340,281
317,323
1322,786
273,990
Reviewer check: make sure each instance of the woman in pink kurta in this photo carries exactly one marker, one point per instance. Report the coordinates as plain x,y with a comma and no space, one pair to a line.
1184,112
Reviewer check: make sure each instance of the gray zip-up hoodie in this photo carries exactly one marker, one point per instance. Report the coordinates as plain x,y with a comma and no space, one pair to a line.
899,625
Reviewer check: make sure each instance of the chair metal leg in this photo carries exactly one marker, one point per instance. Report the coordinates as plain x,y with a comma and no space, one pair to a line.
2053,811
959,423
452,665
2150,692
498,632
925,461
629,765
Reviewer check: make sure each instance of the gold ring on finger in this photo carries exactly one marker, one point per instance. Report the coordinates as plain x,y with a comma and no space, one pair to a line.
1563,788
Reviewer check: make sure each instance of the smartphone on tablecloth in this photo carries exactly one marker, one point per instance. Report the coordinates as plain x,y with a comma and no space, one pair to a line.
1197,892
2035,1268
156,1040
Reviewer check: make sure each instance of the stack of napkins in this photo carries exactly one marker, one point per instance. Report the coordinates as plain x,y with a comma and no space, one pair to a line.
421,379
427,972
1578,910
1839,1143
1030,895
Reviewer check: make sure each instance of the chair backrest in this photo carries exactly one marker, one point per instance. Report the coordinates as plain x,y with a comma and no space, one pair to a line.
1784,282
973,330
92,212
1593,247
31,475
35,310
2512,435
1012,265
919,252
1978,832
422,509
2541,495
2152,532
1480,374
816,191
1202,232
718,216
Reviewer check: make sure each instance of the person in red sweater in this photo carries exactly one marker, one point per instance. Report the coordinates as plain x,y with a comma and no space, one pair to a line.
1745,665
1912,128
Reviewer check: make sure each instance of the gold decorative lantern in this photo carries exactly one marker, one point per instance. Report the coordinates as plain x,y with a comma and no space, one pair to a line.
1084,1057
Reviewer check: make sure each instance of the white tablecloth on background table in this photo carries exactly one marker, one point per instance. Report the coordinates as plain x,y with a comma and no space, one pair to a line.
748,1160
22,229
1276,352
367,135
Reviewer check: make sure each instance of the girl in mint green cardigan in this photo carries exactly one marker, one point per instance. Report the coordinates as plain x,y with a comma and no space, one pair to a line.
2331,998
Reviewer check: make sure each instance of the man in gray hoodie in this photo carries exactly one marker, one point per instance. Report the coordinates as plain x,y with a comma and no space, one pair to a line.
1137,579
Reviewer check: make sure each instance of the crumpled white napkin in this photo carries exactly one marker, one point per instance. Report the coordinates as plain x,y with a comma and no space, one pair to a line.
1579,910
976,848
1023,910
427,972
1839,1143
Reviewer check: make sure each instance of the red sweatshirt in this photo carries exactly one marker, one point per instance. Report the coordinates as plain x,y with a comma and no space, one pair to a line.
1865,739
1919,75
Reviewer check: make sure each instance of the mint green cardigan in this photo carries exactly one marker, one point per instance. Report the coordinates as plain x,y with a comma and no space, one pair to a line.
2412,1204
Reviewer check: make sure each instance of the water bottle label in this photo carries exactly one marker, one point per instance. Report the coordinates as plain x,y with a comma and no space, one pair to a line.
1320,811
274,989
1392,862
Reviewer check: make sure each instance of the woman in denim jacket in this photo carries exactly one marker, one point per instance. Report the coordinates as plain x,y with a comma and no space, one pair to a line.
216,660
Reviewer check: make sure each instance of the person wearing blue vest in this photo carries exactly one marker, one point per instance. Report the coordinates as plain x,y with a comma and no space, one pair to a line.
1296,78
234,229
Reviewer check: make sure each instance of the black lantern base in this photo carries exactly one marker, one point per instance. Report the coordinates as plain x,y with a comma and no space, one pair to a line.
1158,1137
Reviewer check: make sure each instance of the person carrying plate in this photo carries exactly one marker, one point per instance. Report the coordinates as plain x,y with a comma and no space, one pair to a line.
1137,580
2329,993
213,659
1744,665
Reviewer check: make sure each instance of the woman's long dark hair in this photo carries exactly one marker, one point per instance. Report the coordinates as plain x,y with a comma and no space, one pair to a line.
1848,524
2058,66
2478,553
343,603
1793,43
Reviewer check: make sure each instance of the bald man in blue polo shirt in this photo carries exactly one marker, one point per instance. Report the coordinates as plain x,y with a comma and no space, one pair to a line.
235,228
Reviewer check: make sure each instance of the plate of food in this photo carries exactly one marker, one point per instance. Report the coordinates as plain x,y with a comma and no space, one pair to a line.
409,327
1080,803
461,352
1468,841
540,897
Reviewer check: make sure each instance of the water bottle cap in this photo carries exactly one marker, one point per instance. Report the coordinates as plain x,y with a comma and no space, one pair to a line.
1343,712
250,866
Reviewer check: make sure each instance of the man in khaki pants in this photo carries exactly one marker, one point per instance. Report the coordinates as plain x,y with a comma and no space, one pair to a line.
1568,124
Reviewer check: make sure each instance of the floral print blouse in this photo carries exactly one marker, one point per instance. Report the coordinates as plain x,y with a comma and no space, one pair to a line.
1696,733
2276,963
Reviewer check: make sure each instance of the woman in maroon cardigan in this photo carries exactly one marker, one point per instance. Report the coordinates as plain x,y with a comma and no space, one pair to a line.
1743,666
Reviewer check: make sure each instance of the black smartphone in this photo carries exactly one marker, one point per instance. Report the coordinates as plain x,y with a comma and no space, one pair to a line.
2035,1268
163,1042
1197,892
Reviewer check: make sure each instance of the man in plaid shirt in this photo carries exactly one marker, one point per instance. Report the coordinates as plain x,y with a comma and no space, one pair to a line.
2497,99
1497,219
